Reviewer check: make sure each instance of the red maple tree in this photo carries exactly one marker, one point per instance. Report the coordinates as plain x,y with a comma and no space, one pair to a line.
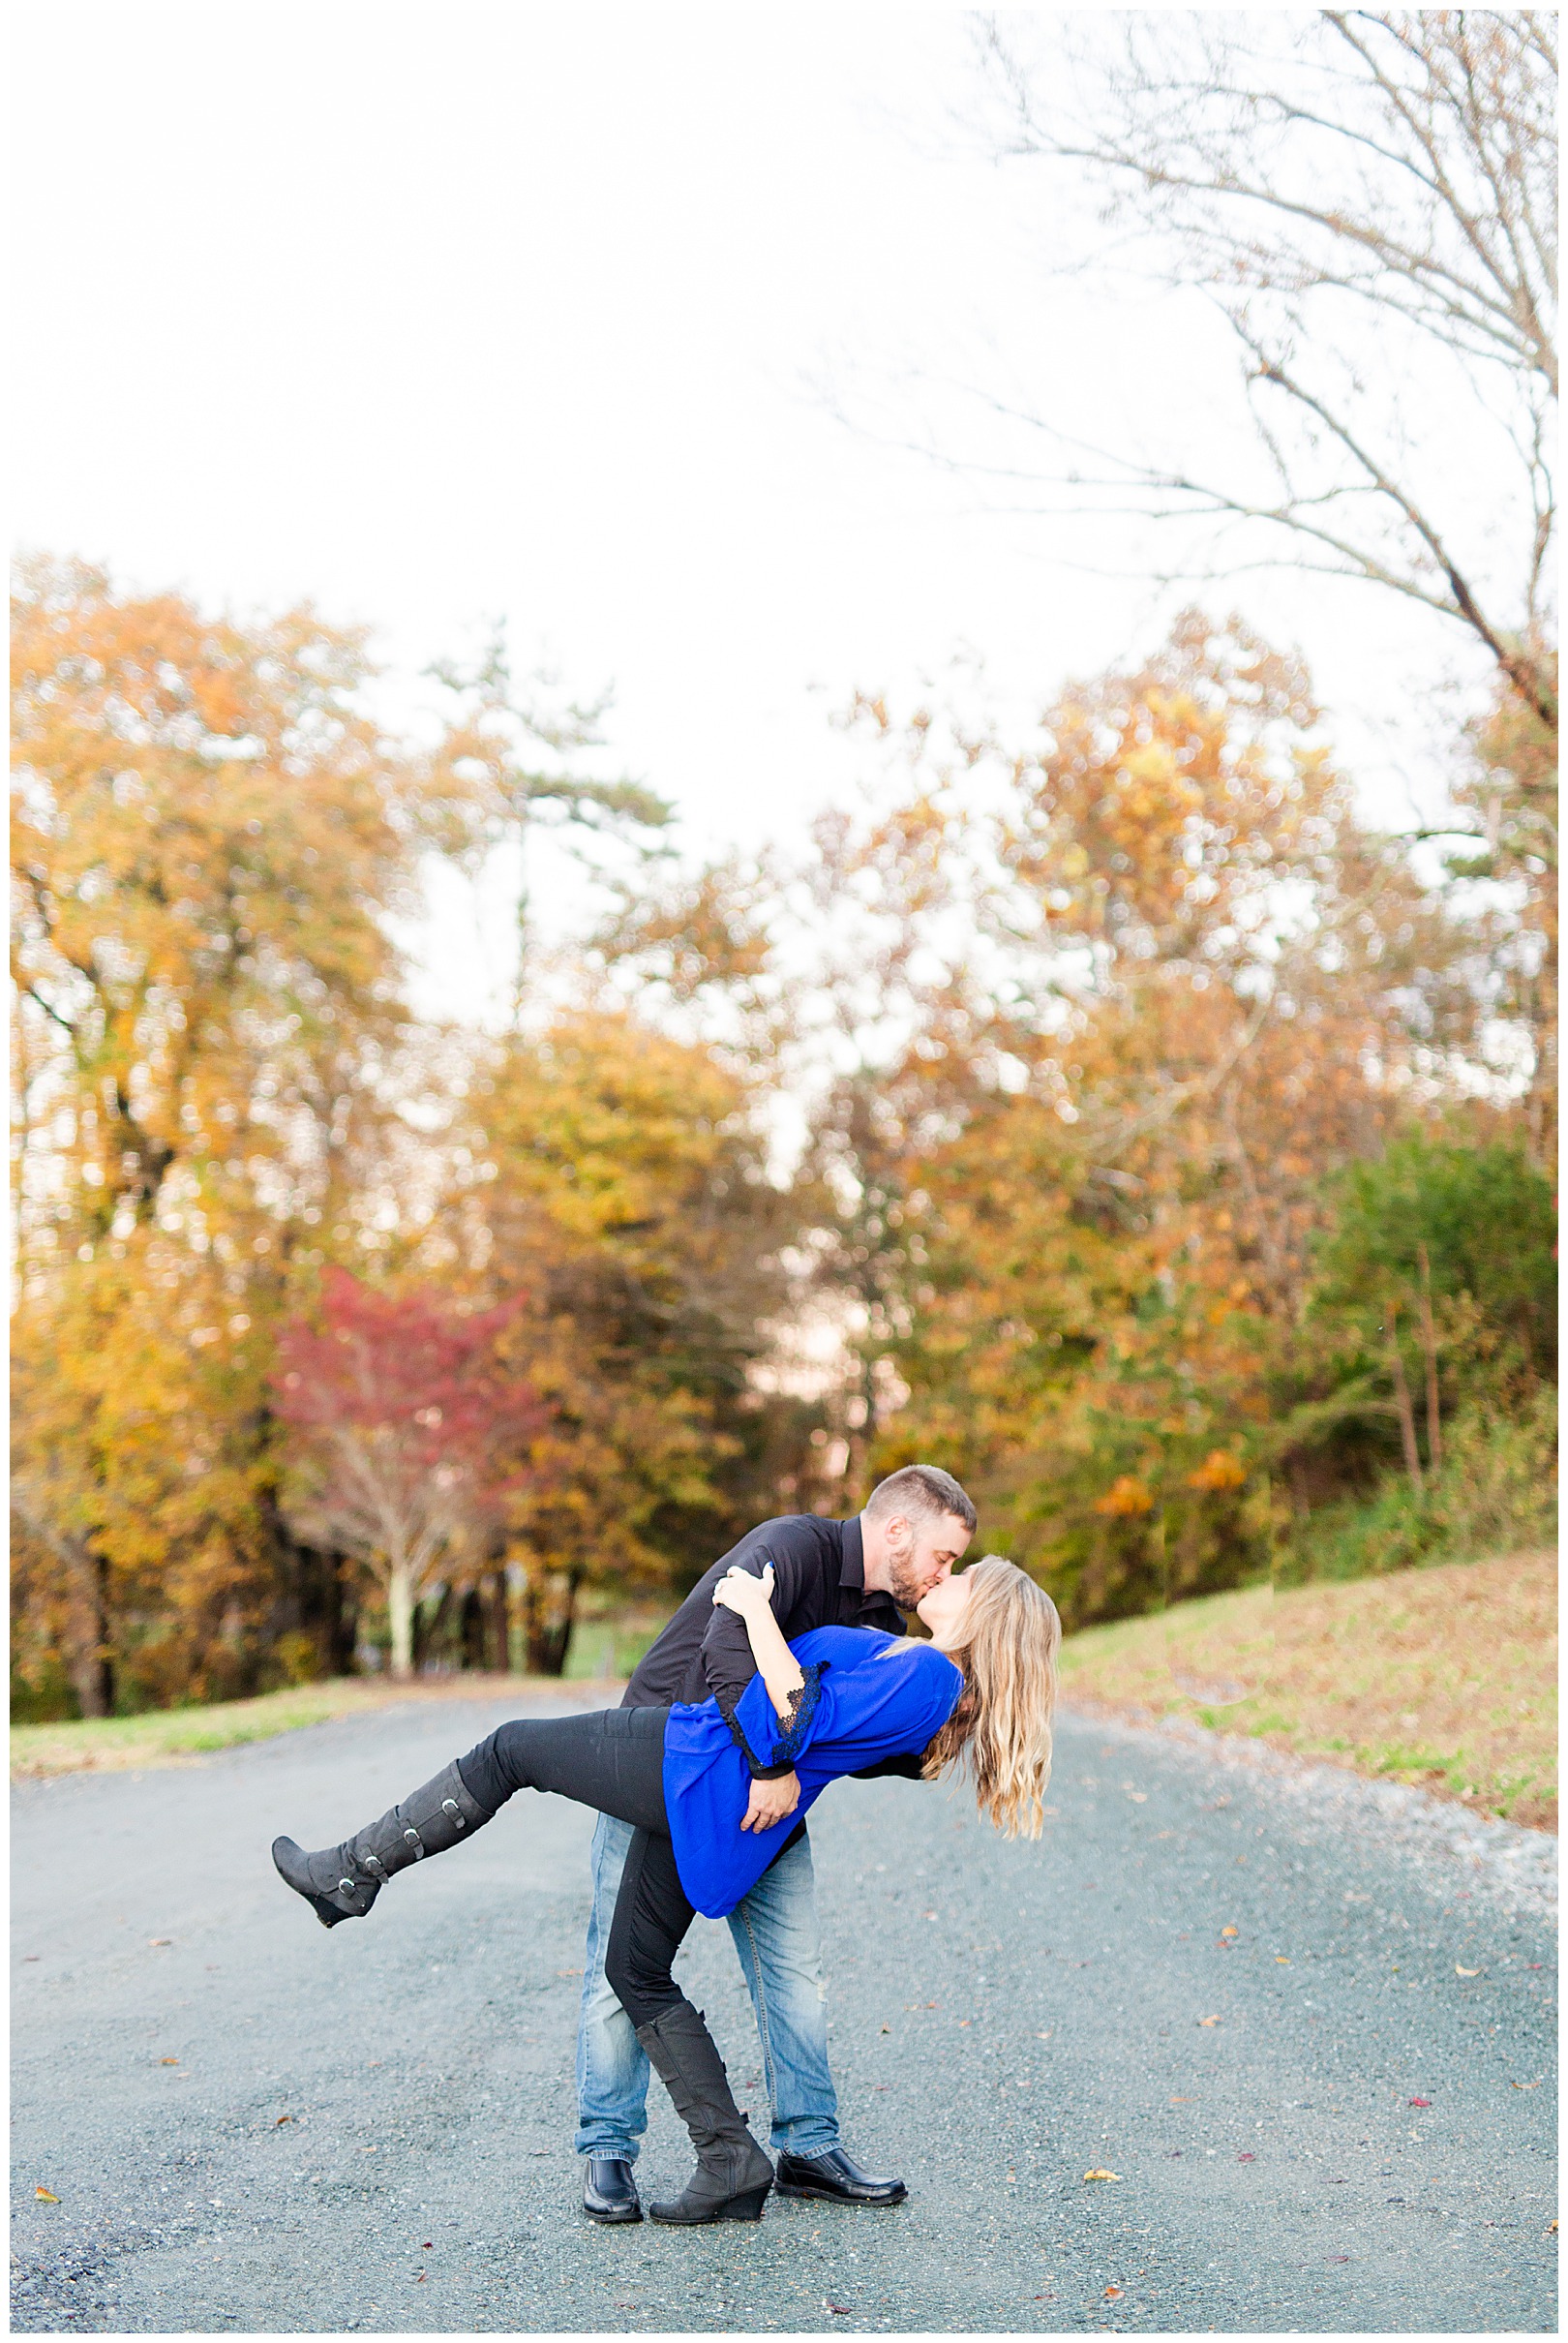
409,1433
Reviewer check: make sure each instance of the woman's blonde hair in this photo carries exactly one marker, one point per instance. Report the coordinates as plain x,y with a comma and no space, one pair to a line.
1001,1729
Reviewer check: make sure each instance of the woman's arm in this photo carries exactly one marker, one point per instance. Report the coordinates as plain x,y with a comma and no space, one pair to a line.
776,1665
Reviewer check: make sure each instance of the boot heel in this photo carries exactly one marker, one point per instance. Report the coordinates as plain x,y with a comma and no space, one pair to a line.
747,2206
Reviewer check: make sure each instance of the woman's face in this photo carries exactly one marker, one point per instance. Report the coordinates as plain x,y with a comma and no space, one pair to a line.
946,1610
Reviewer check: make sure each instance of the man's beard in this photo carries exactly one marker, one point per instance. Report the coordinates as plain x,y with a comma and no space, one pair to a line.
904,1584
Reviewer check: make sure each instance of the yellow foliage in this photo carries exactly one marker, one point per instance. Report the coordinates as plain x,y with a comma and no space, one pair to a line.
1124,1499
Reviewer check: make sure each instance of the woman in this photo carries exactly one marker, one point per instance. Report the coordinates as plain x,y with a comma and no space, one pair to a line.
980,1693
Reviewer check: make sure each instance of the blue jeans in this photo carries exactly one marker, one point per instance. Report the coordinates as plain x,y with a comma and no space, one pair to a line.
776,1934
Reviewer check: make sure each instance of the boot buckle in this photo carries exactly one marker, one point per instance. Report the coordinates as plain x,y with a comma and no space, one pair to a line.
415,1842
450,1806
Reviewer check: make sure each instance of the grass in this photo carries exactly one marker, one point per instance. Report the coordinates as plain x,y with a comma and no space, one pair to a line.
1444,1677
173,1735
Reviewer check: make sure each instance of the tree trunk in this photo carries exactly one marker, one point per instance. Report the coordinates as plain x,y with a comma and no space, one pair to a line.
104,1655
435,1631
400,1617
471,1629
1401,1401
548,1637
1428,1344
496,1623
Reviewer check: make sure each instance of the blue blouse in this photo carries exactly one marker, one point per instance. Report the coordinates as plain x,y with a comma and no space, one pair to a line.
856,1706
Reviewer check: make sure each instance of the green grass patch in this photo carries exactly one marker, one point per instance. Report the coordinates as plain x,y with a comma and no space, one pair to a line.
169,1736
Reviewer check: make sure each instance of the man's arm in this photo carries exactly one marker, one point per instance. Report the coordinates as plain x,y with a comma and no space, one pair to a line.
727,1662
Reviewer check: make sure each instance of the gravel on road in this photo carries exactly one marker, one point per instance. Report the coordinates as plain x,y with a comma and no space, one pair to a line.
1307,2027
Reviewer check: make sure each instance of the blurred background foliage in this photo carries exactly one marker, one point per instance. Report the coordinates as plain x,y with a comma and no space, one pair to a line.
1102,1108
1173,1164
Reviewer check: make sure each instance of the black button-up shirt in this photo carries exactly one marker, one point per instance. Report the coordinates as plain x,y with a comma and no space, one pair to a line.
819,1581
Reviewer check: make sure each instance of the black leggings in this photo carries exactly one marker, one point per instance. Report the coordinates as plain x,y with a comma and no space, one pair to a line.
612,1759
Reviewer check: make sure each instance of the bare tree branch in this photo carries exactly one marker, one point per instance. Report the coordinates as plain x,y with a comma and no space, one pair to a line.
1401,163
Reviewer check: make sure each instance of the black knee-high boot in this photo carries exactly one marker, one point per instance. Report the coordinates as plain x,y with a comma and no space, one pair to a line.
342,1882
733,2175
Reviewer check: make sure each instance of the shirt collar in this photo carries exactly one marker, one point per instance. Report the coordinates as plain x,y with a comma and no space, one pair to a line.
851,1569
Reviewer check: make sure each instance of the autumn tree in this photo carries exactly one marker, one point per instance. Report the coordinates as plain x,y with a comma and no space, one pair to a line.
206,831
219,1095
620,1177
1170,982
412,1435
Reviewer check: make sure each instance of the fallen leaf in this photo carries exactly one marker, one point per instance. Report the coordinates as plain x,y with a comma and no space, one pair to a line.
1339,2257
886,2029
1282,1960
1101,2174
1420,2102
283,2120
1466,1972
159,1941
1230,1931
1552,2229
168,2063
420,2280
1209,2020
1181,2103
1524,2086
428,2246
1111,2293
47,2194
1247,2156
837,2308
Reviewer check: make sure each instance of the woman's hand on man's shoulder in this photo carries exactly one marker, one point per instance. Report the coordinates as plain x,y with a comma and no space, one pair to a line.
742,1591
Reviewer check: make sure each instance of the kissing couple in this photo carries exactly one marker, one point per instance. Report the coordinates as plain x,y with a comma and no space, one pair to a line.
786,1667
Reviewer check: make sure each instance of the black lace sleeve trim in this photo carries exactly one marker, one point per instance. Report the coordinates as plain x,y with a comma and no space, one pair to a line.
796,1723
727,1712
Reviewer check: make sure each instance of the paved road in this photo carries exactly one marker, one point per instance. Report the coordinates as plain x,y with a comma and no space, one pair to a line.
1005,2018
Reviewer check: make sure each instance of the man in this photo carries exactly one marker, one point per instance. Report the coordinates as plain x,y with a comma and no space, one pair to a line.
916,1525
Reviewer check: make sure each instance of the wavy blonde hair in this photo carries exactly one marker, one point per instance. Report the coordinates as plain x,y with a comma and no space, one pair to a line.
1001,1730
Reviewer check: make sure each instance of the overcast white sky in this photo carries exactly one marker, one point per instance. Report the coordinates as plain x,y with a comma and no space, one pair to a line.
442,312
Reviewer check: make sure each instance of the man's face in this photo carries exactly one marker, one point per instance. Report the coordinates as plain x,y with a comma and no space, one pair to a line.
920,1553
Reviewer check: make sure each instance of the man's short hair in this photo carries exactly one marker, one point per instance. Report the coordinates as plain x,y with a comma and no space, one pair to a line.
921,1493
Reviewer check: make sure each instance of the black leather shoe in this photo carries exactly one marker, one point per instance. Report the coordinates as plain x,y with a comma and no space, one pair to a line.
609,2191
837,2175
